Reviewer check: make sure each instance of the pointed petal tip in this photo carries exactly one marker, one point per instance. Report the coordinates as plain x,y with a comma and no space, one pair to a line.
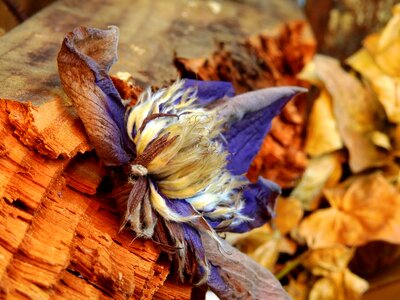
298,89
272,186
285,91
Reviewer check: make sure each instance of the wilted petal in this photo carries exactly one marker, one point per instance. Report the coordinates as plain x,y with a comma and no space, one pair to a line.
185,210
260,200
234,275
193,240
259,203
210,91
248,118
83,63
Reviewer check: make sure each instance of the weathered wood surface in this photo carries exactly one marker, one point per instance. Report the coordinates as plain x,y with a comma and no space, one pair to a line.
56,241
150,32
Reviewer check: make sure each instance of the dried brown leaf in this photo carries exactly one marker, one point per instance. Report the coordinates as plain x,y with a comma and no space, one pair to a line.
322,131
298,288
385,47
386,87
337,282
357,112
339,286
378,62
325,261
261,244
359,213
321,172
289,212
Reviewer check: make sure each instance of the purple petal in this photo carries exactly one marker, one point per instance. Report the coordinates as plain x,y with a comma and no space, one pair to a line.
249,119
210,91
179,206
192,238
216,283
259,199
83,62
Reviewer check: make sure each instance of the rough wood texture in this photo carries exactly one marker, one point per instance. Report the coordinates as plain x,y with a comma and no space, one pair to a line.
56,241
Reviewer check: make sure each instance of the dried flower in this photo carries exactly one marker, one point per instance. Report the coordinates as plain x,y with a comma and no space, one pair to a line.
182,153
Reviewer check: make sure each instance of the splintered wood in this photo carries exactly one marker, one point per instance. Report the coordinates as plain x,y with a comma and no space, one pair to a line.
56,241
59,236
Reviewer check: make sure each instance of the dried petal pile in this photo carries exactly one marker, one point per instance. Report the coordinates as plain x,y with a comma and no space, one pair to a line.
179,156
341,222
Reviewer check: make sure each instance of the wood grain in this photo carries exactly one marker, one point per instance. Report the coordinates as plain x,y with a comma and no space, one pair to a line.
150,33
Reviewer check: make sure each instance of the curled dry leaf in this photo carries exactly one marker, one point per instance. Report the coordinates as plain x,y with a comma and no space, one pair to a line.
289,212
359,213
321,172
324,261
378,62
127,87
385,46
387,88
337,282
298,288
339,286
322,130
357,112
261,244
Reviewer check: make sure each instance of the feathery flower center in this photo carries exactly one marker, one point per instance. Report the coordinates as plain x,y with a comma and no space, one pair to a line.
138,170
178,149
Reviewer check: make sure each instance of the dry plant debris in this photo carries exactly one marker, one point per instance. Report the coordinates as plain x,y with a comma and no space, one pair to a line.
340,224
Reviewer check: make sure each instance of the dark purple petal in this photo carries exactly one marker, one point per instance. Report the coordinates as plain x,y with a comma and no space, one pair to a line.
210,91
216,283
259,199
249,119
83,62
179,206
185,209
193,240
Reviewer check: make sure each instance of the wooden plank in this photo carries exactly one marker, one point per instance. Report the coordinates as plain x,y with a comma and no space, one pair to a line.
150,33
